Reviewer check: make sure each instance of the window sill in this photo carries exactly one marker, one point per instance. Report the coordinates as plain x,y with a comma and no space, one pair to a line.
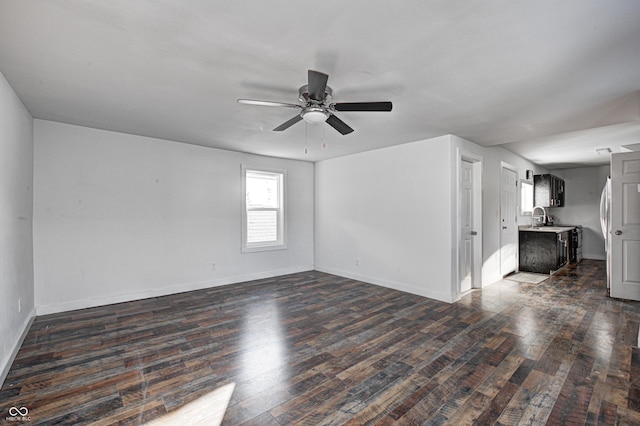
259,248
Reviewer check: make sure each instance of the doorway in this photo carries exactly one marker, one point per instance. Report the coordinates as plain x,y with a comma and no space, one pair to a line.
508,220
469,223
625,226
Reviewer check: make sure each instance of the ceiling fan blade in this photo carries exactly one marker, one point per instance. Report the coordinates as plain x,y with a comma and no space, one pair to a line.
339,125
288,124
267,103
317,84
362,106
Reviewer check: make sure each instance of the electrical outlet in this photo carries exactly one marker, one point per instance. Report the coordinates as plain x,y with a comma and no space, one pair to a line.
213,266
357,261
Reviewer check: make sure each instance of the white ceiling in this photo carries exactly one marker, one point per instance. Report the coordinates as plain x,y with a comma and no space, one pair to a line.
494,72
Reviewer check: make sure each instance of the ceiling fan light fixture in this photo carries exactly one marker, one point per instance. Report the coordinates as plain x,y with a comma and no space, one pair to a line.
315,115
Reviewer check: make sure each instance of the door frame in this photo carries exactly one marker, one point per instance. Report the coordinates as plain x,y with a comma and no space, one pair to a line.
513,169
624,230
476,267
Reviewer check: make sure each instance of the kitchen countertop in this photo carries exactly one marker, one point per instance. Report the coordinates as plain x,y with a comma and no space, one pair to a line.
556,229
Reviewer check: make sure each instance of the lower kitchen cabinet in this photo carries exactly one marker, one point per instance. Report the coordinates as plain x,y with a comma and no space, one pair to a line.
543,252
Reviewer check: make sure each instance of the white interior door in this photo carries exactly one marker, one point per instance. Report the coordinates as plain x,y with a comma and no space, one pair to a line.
625,226
467,232
508,221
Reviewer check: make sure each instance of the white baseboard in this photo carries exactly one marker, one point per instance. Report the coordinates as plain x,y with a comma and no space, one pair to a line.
491,280
407,288
594,256
164,291
6,363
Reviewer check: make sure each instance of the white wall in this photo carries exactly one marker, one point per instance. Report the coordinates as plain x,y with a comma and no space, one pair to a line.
583,187
390,210
395,209
119,217
16,215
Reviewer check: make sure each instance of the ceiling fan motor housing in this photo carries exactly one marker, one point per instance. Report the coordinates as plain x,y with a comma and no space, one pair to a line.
303,95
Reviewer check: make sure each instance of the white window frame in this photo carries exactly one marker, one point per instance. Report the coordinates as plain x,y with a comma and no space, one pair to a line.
281,242
523,208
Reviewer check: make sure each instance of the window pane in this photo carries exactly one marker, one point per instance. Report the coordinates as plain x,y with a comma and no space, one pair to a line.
262,226
262,190
526,197
263,211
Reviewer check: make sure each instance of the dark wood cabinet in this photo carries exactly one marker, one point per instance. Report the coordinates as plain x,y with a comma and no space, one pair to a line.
543,252
548,191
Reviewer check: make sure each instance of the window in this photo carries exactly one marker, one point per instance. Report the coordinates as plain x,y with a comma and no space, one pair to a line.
526,197
263,210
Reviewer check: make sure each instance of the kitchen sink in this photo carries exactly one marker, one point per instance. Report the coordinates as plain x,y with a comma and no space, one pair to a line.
549,228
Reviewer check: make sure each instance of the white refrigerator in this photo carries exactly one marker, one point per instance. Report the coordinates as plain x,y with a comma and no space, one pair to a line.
605,223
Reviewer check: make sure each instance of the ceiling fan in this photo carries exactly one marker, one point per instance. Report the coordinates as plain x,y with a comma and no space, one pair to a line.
316,97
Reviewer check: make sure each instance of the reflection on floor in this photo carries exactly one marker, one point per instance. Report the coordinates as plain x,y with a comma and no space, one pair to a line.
315,348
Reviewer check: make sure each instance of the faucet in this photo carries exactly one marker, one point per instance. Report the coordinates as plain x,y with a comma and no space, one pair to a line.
533,216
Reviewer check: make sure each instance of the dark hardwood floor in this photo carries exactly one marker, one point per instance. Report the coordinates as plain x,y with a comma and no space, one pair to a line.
313,348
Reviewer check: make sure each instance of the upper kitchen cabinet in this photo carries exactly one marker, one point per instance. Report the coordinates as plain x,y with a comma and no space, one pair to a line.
548,191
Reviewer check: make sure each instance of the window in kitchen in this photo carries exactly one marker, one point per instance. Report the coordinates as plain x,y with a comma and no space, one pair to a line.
526,197
263,222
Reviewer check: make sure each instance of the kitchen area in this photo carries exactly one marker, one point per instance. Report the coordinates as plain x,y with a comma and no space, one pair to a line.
546,245
585,213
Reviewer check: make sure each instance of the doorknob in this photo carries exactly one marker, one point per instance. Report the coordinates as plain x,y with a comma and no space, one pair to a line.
618,232
504,227
474,233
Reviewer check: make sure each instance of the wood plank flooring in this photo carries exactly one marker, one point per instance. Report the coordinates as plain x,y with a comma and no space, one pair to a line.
313,348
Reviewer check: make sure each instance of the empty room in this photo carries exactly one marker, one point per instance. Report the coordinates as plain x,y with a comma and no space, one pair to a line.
286,212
